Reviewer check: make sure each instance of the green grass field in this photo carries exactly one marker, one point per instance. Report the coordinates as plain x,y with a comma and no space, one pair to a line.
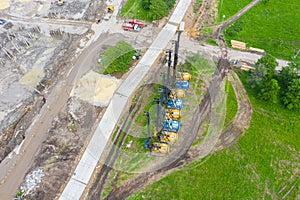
134,9
273,26
231,103
258,166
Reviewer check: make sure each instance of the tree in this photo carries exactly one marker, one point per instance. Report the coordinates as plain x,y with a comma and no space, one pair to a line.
291,98
158,9
146,4
290,84
263,72
270,90
269,63
286,75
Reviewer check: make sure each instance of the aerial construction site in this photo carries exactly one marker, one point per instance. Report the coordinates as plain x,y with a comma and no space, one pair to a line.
73,127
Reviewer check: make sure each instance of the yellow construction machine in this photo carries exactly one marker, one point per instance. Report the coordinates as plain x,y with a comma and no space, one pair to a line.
173,114
110,9
166,136
185,76
155,143
160,147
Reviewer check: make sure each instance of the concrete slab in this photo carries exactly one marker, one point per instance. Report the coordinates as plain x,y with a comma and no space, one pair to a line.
76,188
179,11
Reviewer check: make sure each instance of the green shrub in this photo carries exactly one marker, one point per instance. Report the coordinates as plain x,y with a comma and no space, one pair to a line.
117,58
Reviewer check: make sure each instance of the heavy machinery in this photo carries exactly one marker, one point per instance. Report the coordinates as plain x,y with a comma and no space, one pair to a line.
175,103
182,84
131,27
171,125
178,93
166,136
174,114
110,10
154,143
136,22
158,147
60,2
185,76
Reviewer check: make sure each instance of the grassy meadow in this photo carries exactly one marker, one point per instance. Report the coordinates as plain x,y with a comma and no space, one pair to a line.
270,25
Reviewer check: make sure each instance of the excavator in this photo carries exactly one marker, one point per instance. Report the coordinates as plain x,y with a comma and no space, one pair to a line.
155,143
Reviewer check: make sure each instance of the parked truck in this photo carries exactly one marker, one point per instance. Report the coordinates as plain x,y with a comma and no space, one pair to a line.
131,27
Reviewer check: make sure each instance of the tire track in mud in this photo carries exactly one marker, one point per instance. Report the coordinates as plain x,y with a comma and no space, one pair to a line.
98,186
243,117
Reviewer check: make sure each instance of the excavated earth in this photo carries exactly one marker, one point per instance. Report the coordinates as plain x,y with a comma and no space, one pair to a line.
69,133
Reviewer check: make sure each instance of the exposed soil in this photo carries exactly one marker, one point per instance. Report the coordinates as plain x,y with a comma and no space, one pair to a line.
21,117
66,138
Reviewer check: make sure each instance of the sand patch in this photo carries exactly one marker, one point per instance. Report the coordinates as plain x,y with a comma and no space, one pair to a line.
4,4
32,78
96,88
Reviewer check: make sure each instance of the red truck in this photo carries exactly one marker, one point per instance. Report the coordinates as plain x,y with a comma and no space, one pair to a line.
136,22
131,27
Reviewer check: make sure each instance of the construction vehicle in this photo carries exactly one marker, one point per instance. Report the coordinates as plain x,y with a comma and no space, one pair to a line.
185,76
158,147
110,10
175,103
166,136
178,93
171,125
131,27
154,143
136,22
182,84
60,2
174,114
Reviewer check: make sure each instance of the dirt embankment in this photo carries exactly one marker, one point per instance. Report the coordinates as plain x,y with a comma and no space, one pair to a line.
66,138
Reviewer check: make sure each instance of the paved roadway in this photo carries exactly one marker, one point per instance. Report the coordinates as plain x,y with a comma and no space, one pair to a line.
93,152
214,52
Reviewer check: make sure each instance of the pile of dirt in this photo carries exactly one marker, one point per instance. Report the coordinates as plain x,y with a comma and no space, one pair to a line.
57,155
96,88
